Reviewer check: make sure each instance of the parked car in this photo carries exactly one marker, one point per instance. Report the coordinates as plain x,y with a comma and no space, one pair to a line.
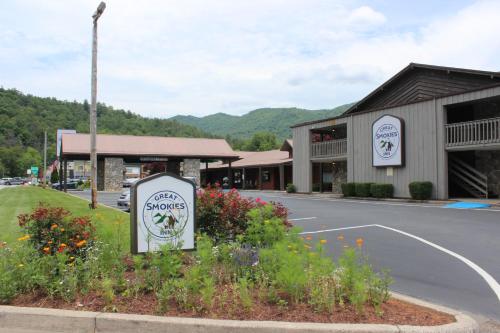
124,200
129,182
70,185
3,181
15,181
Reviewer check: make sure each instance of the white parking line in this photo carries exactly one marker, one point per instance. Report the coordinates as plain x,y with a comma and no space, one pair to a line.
485,275
338,229
303,218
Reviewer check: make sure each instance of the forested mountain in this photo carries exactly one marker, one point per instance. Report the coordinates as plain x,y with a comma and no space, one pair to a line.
274,120
24,118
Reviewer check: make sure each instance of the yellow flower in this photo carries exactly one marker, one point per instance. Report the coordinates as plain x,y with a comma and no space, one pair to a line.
340,237
323,241
81,243
26,237
20,265
54,226
359,242
62,229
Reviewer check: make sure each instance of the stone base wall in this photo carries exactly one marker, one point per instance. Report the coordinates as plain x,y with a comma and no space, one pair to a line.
191,168
488,162
339,176
113,174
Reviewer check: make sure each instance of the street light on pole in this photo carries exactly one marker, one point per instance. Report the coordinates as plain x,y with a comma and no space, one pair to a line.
93,106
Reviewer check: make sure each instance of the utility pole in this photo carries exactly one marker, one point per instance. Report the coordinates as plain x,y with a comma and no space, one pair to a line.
93,107
44,174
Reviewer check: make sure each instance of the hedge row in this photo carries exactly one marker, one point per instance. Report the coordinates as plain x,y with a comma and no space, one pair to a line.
367,190
418,190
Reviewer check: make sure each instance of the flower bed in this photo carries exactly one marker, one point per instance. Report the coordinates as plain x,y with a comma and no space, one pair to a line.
249,264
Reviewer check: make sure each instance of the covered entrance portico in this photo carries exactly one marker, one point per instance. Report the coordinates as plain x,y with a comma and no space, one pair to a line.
181,156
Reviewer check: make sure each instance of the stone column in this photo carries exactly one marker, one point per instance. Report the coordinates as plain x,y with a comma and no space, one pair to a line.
100,175
113,174
191,168
339,176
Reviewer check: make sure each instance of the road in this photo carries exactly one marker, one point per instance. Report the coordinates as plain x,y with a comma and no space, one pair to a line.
447,256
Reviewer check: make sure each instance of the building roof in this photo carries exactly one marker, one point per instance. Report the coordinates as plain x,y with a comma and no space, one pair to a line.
129,145
419,82
255,159
287,145
434,81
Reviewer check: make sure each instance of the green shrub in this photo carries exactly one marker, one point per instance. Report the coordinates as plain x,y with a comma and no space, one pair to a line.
52,230
290,188
420,190
382,190
264,229
362,189
223,215
348,189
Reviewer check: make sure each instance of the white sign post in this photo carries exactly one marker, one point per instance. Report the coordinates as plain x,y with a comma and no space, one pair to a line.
388,142
162,211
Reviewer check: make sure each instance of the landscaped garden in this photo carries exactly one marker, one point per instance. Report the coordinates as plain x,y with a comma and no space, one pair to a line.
250,263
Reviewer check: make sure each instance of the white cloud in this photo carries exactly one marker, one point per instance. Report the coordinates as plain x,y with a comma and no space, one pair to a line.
366,16
161,58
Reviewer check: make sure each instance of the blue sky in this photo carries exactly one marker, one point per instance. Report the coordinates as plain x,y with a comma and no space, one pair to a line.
162,58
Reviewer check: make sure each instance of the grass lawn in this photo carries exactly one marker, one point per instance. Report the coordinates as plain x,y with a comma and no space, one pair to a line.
111,224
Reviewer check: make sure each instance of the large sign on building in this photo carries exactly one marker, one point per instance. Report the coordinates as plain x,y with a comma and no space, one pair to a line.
162,211
388,142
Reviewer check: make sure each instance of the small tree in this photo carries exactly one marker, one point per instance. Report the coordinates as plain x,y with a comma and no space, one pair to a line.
54,176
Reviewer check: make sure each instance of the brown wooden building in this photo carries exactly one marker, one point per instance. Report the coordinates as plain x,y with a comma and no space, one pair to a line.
266,170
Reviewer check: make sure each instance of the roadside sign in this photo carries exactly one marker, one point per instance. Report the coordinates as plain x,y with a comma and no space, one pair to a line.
162,211
34,171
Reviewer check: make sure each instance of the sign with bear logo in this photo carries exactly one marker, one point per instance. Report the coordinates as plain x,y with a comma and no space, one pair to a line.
388,142
162,211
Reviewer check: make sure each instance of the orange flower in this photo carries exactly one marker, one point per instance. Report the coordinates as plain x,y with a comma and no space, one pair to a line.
309,238
323,241
359,242
81,243
340,237
62,229
54,226
61,247
46,250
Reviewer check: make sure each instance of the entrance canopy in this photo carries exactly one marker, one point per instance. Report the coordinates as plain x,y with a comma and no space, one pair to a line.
77,146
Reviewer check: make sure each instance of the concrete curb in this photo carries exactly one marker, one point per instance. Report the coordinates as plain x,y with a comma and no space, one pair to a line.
20,319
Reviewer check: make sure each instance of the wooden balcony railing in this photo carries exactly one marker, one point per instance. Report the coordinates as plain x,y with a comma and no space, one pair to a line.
333,148
476,132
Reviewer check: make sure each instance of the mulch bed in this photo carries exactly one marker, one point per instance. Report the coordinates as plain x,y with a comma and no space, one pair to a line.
395,311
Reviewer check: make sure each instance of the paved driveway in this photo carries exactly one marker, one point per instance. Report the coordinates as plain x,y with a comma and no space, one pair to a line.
447,256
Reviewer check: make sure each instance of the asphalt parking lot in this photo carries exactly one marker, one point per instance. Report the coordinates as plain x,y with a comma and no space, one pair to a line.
447,256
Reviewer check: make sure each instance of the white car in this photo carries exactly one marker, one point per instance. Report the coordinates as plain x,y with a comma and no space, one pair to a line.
124,200
129,182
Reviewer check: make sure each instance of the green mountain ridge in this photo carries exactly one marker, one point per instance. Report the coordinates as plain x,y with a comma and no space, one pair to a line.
274,120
